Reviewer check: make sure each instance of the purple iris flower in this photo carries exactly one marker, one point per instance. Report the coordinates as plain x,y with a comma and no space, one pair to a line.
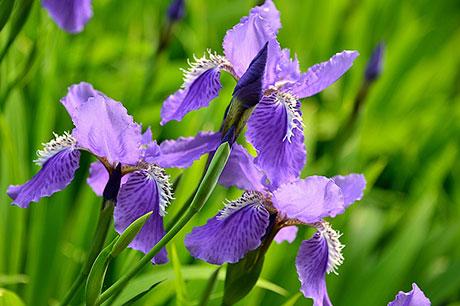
176,10
415,297
265,210
275,127
104,129
70,15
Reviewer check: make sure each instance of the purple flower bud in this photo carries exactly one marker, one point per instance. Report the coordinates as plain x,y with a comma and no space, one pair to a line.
374,65
248,90
176,10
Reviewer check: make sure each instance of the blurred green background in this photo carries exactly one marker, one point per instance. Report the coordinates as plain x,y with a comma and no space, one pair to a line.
406,142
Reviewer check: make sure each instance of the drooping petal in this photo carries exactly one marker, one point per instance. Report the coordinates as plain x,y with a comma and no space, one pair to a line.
415,297
275,129
201,85
286,234
317,256
56,173
143,192
321,76
240,171
352,187
104,127
229,236
182,152
244,40
309,200
70,15
77,95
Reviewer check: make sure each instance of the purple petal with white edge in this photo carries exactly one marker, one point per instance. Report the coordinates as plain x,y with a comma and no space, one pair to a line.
269,14
77,95
201,85
415,297
275,129
70,15
244,40
240,171
56,173
352,187
286,234
321,76
230,235
317,256
104,127
182,152
309,200
139,195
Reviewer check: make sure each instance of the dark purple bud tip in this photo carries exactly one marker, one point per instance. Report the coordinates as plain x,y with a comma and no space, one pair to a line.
374,65
113,185
176,10
248,90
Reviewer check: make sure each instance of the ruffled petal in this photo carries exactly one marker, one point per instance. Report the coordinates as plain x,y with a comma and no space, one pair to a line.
317,256
321,76
77,95
270,14
275,129
244,40
229,236
286,234
415,297
287,70
240,171
309,200
70,15
141,194
104,127
201,85
352,187
182,152
56,173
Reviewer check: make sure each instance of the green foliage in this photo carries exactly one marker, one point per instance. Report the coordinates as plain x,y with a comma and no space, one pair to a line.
405,140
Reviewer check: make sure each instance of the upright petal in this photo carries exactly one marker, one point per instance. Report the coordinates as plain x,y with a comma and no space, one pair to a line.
70,15
270,14
352,187
182,152
56,173
288,70
104,127
415,297
275,129
321,76
229,236
201,85
309,200
144,192
244,40
77,95
240,171
317,256
286,234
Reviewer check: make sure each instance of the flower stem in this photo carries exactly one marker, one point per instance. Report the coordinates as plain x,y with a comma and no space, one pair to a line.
206,187
103,223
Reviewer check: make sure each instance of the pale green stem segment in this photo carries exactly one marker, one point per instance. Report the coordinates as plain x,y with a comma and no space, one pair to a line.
105,218
206,187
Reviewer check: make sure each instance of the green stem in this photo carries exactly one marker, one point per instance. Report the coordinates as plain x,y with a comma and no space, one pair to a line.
103,223
207,185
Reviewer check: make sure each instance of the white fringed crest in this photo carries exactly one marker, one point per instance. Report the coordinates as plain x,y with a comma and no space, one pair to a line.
160,177
294,117
254,198
59,143
335,247
201,64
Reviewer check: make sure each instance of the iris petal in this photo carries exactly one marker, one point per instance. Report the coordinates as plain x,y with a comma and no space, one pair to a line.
415,297
70,15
